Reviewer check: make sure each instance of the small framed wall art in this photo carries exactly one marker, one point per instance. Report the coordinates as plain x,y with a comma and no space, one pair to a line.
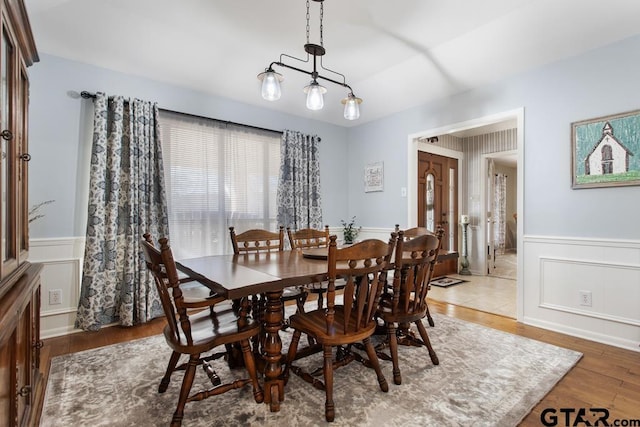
374,177
605,151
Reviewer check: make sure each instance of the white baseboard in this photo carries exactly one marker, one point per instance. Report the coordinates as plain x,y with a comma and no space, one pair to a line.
582,333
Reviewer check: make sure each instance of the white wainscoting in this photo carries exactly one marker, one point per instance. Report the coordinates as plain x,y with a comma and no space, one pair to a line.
556,271
553,273
62,260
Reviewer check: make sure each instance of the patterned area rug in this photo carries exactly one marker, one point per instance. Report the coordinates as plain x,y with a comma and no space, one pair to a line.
485,378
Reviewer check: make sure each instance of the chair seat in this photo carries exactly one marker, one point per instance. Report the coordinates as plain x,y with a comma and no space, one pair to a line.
385,311
209,331
315,323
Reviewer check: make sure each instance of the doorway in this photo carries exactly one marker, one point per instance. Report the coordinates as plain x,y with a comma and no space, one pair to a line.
502,216
473,202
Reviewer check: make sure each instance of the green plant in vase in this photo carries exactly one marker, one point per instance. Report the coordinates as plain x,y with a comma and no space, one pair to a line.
350,231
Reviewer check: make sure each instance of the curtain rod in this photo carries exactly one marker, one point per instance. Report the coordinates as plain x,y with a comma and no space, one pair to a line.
88,95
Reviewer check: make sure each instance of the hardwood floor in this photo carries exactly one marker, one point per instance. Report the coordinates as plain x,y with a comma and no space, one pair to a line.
606,377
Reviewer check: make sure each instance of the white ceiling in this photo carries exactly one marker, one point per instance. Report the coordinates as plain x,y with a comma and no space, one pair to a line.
394,54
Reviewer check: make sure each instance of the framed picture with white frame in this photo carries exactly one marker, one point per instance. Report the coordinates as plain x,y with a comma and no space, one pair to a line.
374,177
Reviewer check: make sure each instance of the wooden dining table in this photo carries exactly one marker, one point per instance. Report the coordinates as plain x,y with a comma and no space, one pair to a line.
268,273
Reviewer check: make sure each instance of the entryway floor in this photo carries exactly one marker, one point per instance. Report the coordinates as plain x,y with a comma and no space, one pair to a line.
485,293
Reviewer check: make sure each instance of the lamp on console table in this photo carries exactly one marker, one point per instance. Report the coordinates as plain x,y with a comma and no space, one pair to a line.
464,262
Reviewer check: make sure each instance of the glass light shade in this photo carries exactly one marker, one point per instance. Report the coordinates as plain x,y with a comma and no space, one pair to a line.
351,107
270,85
315,100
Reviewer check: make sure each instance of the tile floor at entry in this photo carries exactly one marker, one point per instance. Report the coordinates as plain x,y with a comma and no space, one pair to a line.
485,293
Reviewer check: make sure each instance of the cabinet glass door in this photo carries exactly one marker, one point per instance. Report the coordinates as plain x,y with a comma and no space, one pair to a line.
7,153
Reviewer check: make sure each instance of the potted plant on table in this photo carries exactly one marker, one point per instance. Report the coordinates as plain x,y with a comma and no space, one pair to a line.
350,231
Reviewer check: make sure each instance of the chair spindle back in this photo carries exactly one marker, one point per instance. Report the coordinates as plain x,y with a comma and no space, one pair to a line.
363,267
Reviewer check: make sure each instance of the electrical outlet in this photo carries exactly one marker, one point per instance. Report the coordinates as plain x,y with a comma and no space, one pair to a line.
585,298
55,296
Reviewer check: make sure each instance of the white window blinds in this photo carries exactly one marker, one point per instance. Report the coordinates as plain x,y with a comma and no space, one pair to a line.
217,175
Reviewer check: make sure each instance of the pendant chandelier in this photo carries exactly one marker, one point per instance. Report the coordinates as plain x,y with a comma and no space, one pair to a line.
315,101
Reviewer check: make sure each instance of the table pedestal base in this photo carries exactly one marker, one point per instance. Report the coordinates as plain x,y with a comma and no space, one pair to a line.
273,381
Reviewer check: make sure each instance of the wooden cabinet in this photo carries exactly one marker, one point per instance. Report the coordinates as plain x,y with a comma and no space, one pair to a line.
20,376
21,384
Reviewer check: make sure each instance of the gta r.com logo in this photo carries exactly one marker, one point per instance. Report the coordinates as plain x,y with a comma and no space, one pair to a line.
582,417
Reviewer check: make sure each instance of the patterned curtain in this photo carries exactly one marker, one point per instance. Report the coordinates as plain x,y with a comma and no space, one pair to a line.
126,199
499,209
298,198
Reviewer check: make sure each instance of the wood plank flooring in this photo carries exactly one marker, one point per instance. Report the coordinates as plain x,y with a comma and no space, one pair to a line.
606,377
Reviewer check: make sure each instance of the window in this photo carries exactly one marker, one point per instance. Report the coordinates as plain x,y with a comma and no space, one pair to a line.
217,175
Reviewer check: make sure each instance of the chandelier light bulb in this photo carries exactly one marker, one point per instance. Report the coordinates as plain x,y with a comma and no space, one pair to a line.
315,100
351,107
270,85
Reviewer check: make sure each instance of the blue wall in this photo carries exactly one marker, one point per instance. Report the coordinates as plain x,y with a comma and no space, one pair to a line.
60,137
601,82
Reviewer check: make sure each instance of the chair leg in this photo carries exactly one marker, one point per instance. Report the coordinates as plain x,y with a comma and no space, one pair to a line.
320,300
429,318
300,301
329,406
291,355
257,308
393,348
187,382
250,365
375,363
173,361
427,342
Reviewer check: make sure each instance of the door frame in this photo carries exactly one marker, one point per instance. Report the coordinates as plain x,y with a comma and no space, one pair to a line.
414,145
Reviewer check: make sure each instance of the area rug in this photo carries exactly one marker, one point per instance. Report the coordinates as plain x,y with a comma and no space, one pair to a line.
445,281
485,378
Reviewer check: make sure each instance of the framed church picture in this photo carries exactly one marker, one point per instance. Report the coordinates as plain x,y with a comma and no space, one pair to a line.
605,151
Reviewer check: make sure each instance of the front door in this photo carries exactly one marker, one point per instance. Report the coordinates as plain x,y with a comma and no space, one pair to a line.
438,205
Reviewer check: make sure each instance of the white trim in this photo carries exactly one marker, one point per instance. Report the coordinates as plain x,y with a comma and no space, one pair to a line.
584,241
59,320
583,312
49,313
56,241
58,332
582,333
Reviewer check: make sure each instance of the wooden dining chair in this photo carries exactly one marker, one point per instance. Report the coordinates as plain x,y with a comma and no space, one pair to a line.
195,328
309,238
257,241
414,262
363,267
409,234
